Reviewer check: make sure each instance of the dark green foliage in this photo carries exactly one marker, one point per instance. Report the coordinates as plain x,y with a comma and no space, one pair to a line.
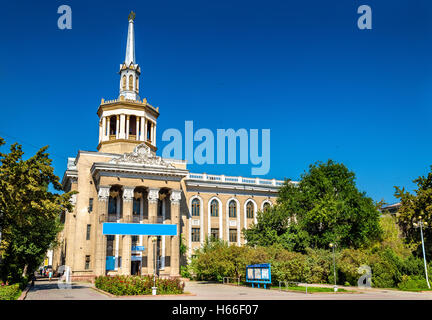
414,283
138,285
324,207
28,211
414,205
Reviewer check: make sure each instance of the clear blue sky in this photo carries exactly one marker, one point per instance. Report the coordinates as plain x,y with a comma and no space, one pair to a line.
301,68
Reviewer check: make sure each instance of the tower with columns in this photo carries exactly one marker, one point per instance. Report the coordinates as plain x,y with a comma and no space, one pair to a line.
127,195
127,121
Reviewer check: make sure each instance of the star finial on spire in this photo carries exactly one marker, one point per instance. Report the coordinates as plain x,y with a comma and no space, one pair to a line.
131,16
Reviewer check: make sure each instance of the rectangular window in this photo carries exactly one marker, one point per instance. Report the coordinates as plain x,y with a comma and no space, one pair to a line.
110,246
134,241
233,235
214,233
90,208
88,232
195,234
87,262
136,206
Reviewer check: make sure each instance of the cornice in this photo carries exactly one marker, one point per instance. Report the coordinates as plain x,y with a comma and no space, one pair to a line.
138,171
127,104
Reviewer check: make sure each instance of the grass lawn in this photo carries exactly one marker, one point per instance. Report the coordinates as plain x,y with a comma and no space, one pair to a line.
416,290
310,289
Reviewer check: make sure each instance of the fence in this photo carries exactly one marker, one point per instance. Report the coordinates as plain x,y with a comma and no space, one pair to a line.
292,284
236,281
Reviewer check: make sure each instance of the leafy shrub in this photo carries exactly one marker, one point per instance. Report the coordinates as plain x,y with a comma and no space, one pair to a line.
348,263
415,283
185,272
138,285
11,292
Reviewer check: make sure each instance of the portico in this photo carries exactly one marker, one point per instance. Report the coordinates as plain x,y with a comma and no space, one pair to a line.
144,200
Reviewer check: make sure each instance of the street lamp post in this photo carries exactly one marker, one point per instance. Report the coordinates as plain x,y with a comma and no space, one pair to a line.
154,288
333,245
421,224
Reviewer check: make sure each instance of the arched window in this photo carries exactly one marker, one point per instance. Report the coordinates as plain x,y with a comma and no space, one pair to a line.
266,206
195,207
214,208
232,209
131,82
249,210
136,84
124,83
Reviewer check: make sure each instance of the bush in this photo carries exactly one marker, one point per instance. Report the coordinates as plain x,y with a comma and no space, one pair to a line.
415,283
11,292
185,272
138,285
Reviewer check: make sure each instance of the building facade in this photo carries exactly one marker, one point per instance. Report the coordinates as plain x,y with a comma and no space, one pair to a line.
133,208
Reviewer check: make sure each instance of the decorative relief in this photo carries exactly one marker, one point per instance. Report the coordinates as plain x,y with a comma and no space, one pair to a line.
232,223
103,193
195,222
175,196
153,195
142,155
128,194
73,199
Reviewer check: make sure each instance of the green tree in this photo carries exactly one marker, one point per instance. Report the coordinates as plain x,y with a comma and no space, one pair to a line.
414,205
29,212
325,206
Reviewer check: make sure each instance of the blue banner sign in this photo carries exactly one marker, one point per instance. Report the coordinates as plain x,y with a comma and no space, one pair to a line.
138,229
138,248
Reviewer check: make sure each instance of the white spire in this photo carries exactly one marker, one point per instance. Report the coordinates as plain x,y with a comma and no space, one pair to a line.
130,70
130,47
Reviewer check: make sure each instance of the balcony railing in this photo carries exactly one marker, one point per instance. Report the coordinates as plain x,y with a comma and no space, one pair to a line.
242,180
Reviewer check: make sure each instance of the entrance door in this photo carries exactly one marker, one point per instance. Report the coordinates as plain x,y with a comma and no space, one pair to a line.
135,267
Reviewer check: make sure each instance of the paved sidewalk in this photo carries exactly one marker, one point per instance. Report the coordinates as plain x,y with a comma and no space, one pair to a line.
45,290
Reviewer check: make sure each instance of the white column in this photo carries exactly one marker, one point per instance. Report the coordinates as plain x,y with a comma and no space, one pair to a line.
141,221
118,213
141,209
117,126
220,220
227,221
104,130
244,214
209,218
122,127
238,223
202,222
127,126
100,132
137,128
163,237
142,136
189,220
154,134
116,251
